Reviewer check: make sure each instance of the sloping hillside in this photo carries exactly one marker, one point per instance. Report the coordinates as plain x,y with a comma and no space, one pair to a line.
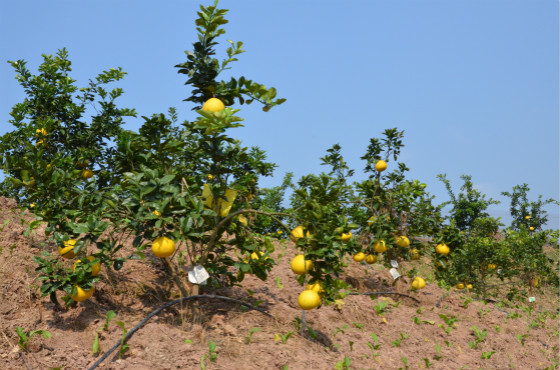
459,333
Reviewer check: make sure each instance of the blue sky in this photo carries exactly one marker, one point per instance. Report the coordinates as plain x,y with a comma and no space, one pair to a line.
474,84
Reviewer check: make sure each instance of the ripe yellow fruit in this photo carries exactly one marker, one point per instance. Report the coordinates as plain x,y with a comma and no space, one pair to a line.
442,249
29,183
298,233
68,250
82,295
370,259
213,105
210,177
527,217
418,283
316,287
531,228
346,236
300,265
469,286
309,299
536,282
380,246
492,266
163,247
460,286
381,166
86,174
402,241
94,269
359,257
414,254
40,132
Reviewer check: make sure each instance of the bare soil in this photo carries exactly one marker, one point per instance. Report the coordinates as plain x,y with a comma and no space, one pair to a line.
519,335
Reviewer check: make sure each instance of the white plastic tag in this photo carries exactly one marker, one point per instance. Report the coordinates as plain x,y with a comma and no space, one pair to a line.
531,299
394,273
395,264
198,275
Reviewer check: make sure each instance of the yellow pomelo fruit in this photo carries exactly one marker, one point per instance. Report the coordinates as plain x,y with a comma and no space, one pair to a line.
359,257
82,163
298,233
309,299
527,217
370,259
68,250
381,166
469,286
402,241
460,286
163,247
414,254
492,266
82,295
346,236
380,246
94,269
442,249
86,174
531,228
300,265
213,105
418,283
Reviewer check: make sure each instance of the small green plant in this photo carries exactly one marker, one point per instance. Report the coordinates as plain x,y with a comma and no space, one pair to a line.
108,317
487,355
351,344
450,321
405,362
251,332
521,338
427,363
498,328
343,364
284,338
24,337
340,330
312,333
380,308
124,347
279,283
482,312
396,304
212,351
188,341
418,321
480,336
397,343
438,355
358,326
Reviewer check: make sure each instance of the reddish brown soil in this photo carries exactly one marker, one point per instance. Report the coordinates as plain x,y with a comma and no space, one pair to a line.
139,288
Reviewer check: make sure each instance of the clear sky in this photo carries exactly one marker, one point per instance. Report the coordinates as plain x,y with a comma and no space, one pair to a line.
474,83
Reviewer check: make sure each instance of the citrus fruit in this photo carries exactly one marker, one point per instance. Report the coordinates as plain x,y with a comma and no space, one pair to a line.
346,236
82,295
210,177
87,174
380,246
94,269
298,233
213,105
68,250
442,249
531,228
492,266
82,163
381,166
40,132
163,247
469,286
460,286
414,254
309,299
316,287
418,283
300,265
402,241
359,257
527,217
370,259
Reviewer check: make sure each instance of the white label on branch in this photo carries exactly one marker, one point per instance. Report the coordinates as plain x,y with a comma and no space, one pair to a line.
198,275
531,299
394,273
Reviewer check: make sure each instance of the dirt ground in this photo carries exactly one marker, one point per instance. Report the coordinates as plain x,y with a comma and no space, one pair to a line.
519,335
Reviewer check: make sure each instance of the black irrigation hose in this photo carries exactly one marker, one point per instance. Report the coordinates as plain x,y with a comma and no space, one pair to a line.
383,293
169,304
